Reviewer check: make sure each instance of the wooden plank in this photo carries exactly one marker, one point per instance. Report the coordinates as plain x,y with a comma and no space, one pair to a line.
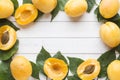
65,45
60,29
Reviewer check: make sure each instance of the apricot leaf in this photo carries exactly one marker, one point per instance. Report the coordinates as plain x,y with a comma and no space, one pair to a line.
105,59
5,73
60,7
27,1
35,71
16,5
74,77
42,56
7,22
74,63
118,48
115,19
60,56
91,4
5,55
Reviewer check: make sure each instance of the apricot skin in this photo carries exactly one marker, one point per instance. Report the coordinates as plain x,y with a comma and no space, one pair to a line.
6,8
110,34
113,70
109,8
76,8
45,6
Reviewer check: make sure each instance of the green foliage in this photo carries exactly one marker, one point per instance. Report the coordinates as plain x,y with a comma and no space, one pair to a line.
5,55
16,5
5,73
91,4
105,59
42,56
74,63
7,22
35,71
60,56
60,7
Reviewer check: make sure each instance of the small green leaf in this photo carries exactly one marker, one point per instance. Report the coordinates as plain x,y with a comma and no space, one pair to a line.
74,63
42,56
74,77
118,48
39,15
16,5
99,17
5,55
91,4
7,22
35,71
5,73
60,7
105,59
60,56
27,1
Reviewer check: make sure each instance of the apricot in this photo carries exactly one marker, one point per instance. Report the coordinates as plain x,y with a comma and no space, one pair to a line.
110,34
7,37
109,8
113,70
55,69
26,14
45,6
89,69
75,8
21,68
6,8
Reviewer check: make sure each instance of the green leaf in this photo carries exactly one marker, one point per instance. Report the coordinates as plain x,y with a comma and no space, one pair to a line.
60,56
74,77
74,63
39,15
16,5
60,7
105,59
99,17
5,73
118,48
7,22
35,71
27,1
42,56
91,4
5,55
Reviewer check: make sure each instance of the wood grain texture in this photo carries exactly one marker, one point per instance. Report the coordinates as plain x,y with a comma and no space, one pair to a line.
75,37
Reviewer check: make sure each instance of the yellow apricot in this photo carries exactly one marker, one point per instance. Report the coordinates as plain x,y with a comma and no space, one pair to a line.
109,8
75,8
21,68
55,69
113,70
26,14
110,34
6,8
89,69
45,6
7,37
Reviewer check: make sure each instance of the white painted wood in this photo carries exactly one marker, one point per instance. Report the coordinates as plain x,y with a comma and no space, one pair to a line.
65,45
60,29
74,37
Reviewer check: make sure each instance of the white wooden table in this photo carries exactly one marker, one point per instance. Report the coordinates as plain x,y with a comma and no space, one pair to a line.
78,37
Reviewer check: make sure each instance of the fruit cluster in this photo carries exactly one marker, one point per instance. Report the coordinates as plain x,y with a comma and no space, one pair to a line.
57,67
